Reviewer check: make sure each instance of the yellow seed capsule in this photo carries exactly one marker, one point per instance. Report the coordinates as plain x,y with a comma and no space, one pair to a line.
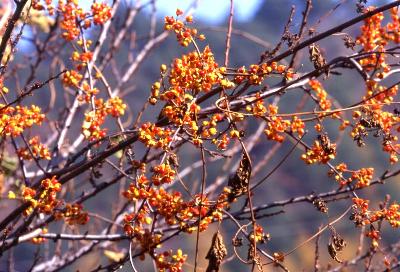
156,85
189,18
148,220
75,55
234,133
155,93
11,195
213,131
356,114
163,68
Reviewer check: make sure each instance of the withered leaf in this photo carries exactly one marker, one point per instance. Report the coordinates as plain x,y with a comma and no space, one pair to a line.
216,253
317,58
327,146
240,180
335,245
332,251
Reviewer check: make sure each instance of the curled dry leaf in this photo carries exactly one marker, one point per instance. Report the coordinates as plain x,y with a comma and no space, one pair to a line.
327,146
240,180
317,58
216,253
335,245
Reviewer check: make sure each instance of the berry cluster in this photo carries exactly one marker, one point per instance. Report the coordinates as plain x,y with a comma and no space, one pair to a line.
324,103
35,149
14,120
74,215
167,261
71,15
365,216
375,37
361,177
45,201
184,34
72,78
101,13
154,136
256,74
163,174
91,127
322,151
276,125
